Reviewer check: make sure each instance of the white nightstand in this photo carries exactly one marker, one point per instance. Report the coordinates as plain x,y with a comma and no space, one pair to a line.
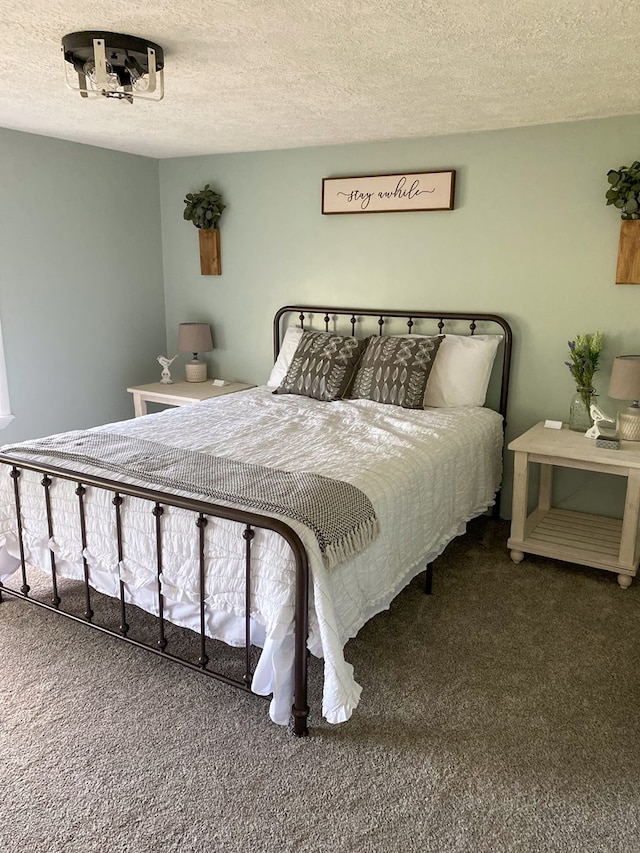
590,540
179,393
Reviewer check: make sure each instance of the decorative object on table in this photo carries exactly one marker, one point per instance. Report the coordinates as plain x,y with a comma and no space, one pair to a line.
204,209
579,411
113,65
625,385
602,423
608,442
195,338
403,191
584,357
166,364
624,195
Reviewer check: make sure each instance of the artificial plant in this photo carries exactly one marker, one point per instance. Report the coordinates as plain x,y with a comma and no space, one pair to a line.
204,208
624,192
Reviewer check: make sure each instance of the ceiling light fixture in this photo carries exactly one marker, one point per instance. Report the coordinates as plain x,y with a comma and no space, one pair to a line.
113,65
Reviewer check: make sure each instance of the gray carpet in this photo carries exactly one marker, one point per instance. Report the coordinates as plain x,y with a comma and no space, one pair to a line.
500,714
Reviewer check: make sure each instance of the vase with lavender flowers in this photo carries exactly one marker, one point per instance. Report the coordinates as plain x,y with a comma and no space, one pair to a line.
584,358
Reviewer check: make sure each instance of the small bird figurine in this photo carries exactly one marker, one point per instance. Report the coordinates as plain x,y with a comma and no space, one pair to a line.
166,379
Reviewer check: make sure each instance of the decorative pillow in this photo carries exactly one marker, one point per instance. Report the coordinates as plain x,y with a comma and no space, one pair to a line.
322,366
395,370
461,373
285,356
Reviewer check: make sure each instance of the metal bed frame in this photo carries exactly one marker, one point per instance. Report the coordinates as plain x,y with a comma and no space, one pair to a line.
202,511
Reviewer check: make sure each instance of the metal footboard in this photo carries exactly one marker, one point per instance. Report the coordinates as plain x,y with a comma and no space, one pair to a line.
202,511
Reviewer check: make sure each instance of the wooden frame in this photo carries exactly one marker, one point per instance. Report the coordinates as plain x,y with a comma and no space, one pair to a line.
628,268
209,240
395,193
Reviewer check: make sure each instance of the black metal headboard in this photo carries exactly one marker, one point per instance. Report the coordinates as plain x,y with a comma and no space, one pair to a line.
356,318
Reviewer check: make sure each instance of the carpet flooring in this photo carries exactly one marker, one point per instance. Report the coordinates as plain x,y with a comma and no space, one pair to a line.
499,714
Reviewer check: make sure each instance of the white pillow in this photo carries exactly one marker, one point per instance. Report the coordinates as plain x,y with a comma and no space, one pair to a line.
461,371
285,356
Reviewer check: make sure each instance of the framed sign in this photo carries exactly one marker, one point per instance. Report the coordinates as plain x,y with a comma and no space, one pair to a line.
389,193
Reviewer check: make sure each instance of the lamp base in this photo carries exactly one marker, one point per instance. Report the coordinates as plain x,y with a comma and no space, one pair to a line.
628,427
195,371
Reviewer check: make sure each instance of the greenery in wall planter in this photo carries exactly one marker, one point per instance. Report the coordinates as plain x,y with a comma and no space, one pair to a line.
204,209
625,190
624,195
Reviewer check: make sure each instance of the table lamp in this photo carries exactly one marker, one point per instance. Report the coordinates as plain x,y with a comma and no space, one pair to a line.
625,385
195,338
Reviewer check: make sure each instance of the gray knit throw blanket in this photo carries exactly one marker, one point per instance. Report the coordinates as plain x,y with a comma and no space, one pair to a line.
340,515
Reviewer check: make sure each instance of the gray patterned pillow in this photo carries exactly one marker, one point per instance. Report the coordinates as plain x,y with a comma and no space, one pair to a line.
322,366
395,370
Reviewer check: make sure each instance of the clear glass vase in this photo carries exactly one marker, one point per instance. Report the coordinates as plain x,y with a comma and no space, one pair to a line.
580,419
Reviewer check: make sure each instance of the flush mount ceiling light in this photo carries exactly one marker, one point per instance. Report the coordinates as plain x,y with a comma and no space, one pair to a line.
113,65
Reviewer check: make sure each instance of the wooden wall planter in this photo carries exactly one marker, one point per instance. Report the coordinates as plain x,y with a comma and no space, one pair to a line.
209,251
628,271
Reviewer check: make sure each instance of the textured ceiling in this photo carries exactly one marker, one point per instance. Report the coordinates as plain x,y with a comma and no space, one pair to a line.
247,75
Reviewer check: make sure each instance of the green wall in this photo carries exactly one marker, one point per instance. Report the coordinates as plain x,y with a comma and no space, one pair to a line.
81,288
88,236
530,238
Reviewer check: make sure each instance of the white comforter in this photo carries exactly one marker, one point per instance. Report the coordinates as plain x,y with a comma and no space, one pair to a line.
426,472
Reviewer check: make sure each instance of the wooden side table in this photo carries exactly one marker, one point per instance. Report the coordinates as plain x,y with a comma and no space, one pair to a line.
179,393
590,540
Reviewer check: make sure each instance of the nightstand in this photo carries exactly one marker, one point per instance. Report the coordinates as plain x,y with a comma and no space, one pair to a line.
590,540
179,393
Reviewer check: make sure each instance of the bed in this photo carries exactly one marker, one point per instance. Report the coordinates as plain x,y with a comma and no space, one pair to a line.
273,519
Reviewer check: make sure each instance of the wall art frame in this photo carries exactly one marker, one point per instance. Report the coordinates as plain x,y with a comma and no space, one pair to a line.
400,192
